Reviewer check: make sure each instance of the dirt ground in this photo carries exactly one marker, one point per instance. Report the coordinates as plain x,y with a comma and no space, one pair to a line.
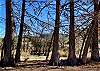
33,63
41,66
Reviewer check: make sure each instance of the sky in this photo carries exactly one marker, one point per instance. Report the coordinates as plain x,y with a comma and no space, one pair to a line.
2,15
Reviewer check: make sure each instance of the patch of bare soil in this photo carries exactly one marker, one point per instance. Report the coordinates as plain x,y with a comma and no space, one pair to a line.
42,66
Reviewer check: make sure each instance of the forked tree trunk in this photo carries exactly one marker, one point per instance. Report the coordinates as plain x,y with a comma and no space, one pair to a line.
2,50
71,56
7,59
95,51
84,40
49,47
55,55
87,44
17,56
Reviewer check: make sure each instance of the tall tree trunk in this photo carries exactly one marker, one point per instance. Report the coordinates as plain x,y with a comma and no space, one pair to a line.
7,59
85,39
17,56
87,43
49,47
95,51
72,57
2,50
55,55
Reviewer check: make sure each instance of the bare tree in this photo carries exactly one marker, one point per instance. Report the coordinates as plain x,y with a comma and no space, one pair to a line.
95,51
49,47
87,43
72,57
17,56
55,55
7,59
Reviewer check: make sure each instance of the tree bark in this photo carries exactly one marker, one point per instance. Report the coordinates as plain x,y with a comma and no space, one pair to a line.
84,40
49,47
87,44
72,57
7,59
95,51
55,55
17,56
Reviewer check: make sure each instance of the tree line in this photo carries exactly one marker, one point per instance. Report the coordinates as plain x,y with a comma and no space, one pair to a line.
90,36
